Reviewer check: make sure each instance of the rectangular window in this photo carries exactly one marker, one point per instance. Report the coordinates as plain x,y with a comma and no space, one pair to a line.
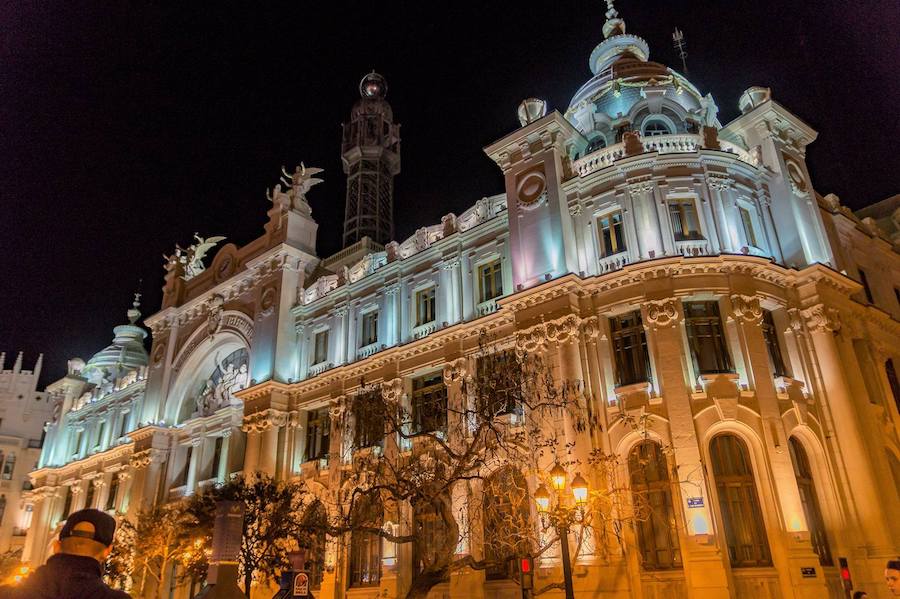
123,427
89,496
498,384
67,504
318,428
181,479
77,442
365,559
776,361
685,222
9,466
429,404
612,233
113,491
865,283
747,224
706,338
425,306
490,282
368,426
100,430
369,329
216,459
630,349
320,354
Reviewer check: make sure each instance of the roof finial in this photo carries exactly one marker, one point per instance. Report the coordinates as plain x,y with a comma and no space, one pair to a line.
614,25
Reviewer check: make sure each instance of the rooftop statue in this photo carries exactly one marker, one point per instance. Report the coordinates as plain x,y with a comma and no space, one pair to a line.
301,181
191,259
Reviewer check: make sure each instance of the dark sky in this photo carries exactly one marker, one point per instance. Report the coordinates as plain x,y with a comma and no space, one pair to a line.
126,127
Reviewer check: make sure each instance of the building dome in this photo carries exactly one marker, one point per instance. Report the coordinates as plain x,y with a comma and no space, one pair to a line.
125,353
628,92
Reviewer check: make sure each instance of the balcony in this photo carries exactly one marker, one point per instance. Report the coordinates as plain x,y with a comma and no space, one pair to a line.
614,262
661,144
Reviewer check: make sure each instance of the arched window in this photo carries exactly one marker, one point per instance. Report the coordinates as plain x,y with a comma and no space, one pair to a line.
892,380
745,531
655,517
653,126
507,523
365,547
313,540
597,143
810,502
431,537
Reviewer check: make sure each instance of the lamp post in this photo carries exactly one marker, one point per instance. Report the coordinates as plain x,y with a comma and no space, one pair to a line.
561,515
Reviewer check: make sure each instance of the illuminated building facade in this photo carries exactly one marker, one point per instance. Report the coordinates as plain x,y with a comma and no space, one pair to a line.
685,271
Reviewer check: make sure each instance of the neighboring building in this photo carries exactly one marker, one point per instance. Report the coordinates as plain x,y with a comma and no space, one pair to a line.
684,271
23,412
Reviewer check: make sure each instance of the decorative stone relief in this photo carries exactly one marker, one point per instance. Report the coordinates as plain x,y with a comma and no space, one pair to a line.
746,308
821,318
262,421
455,371
563,329
392,391
590,327
662,313
214,318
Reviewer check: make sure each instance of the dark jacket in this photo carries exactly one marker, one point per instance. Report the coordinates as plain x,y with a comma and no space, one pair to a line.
64,577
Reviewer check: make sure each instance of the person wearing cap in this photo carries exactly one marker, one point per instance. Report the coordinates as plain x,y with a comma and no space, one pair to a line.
892,577
75,570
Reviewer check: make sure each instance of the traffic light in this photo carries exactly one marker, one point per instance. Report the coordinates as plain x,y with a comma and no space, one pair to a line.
846,581
526,573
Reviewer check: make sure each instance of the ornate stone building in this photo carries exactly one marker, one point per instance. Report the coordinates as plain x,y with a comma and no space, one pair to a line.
686,272
23,412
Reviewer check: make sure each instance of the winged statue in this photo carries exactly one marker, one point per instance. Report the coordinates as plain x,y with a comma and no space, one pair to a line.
192,257
301,181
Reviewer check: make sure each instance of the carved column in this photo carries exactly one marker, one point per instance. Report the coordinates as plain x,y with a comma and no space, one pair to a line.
722,207
703,563
196,453
645,220
792,547
224,457
262,441
45,504
866,506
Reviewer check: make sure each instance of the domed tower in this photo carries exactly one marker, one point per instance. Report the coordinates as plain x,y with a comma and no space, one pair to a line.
371,155
629,93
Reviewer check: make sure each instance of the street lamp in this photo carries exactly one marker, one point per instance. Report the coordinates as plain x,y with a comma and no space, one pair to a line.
562,516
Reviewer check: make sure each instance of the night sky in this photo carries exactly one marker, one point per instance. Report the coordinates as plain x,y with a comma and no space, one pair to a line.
125,128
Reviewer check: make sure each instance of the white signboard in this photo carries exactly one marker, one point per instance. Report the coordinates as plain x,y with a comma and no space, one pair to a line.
301,584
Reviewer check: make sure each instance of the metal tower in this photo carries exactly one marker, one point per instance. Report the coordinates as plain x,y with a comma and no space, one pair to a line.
370,153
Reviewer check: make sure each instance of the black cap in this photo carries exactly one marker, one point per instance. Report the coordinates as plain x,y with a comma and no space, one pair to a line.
104,526
893,564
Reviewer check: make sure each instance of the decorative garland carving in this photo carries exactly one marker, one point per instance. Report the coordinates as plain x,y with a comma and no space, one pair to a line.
264,420
821,318
662,313
392,391
746,308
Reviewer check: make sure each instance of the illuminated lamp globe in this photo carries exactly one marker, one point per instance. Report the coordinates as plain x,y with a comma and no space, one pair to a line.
542,498
373,86
580,489
531,109
558,477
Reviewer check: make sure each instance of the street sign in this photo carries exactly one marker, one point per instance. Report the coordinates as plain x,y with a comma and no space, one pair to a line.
808,572
301,584
695,502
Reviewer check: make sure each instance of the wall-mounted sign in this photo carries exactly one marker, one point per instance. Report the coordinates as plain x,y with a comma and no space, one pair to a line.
301,585
808,572
695,502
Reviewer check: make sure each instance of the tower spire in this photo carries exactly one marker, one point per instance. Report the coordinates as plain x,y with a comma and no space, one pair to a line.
613,25
370,153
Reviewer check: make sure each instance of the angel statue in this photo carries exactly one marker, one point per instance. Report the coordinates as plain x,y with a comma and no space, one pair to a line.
301,180
192,258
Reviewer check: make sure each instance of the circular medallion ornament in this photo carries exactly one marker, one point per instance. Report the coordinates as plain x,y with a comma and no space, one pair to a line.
798,181
531,187
267,301
224,269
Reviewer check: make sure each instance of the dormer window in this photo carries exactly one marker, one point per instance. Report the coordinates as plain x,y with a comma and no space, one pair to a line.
655,126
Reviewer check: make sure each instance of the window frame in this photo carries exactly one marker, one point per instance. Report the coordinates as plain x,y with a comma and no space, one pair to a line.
624,359
662,120
739,488
371,432
809,499
685,233
617,245
317,357
494,271
658,492
709,325
368,332
748,225
425,305
318,433
428,404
